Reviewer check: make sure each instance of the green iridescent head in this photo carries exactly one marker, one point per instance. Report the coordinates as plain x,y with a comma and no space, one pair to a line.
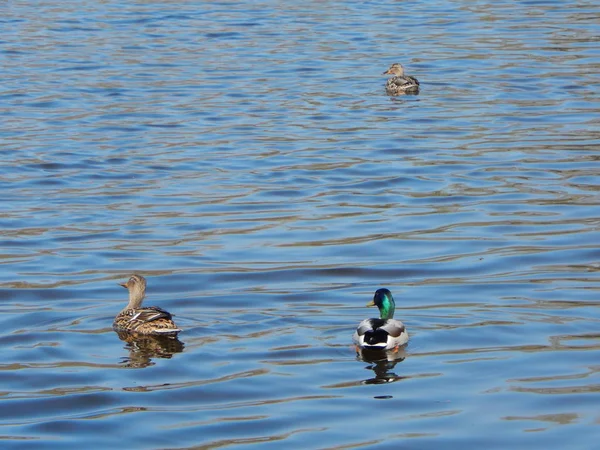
385,302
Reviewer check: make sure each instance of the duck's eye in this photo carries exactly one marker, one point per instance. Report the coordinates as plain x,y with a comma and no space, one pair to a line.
132,280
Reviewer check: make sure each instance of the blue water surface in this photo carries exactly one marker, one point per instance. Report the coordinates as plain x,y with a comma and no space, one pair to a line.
245,158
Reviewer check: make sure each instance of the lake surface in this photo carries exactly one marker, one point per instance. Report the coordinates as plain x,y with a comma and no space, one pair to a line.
245,158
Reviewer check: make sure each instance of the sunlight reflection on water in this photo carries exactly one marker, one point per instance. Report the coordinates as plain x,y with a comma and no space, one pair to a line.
245,158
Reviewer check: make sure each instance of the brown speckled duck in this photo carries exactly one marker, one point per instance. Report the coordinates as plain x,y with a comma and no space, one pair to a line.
400,84
150,320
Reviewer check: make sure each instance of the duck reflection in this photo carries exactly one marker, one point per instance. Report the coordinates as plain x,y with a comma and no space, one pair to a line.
143,348
382,362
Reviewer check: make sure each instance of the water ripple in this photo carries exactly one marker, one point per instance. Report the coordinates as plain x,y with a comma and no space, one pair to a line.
244,157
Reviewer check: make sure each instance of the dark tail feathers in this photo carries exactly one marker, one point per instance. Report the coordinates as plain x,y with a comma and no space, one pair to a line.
375,337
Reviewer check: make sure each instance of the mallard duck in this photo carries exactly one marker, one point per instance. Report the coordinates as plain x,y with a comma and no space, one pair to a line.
399,83
384,333
148,320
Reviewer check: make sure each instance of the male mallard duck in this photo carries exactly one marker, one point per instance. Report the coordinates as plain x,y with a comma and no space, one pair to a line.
385,333
400,84
148,320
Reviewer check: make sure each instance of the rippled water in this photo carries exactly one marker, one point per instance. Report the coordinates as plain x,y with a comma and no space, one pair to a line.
244,157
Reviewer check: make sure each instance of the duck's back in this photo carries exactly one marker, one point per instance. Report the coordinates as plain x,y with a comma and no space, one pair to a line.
403,84
380,333
147,320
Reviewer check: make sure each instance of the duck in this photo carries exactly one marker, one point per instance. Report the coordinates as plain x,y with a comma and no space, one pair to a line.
399,83
149,320
385,333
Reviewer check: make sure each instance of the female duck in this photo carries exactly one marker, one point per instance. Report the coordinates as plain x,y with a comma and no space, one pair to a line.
149,320
399,83
384,333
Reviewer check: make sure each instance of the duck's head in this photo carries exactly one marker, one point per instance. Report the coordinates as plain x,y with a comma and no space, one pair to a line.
385,302
137,290
395,69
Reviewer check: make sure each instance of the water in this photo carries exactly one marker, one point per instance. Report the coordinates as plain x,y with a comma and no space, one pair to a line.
244,157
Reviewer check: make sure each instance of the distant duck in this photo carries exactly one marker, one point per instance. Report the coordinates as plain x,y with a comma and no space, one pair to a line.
399,83
385,333
150,320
